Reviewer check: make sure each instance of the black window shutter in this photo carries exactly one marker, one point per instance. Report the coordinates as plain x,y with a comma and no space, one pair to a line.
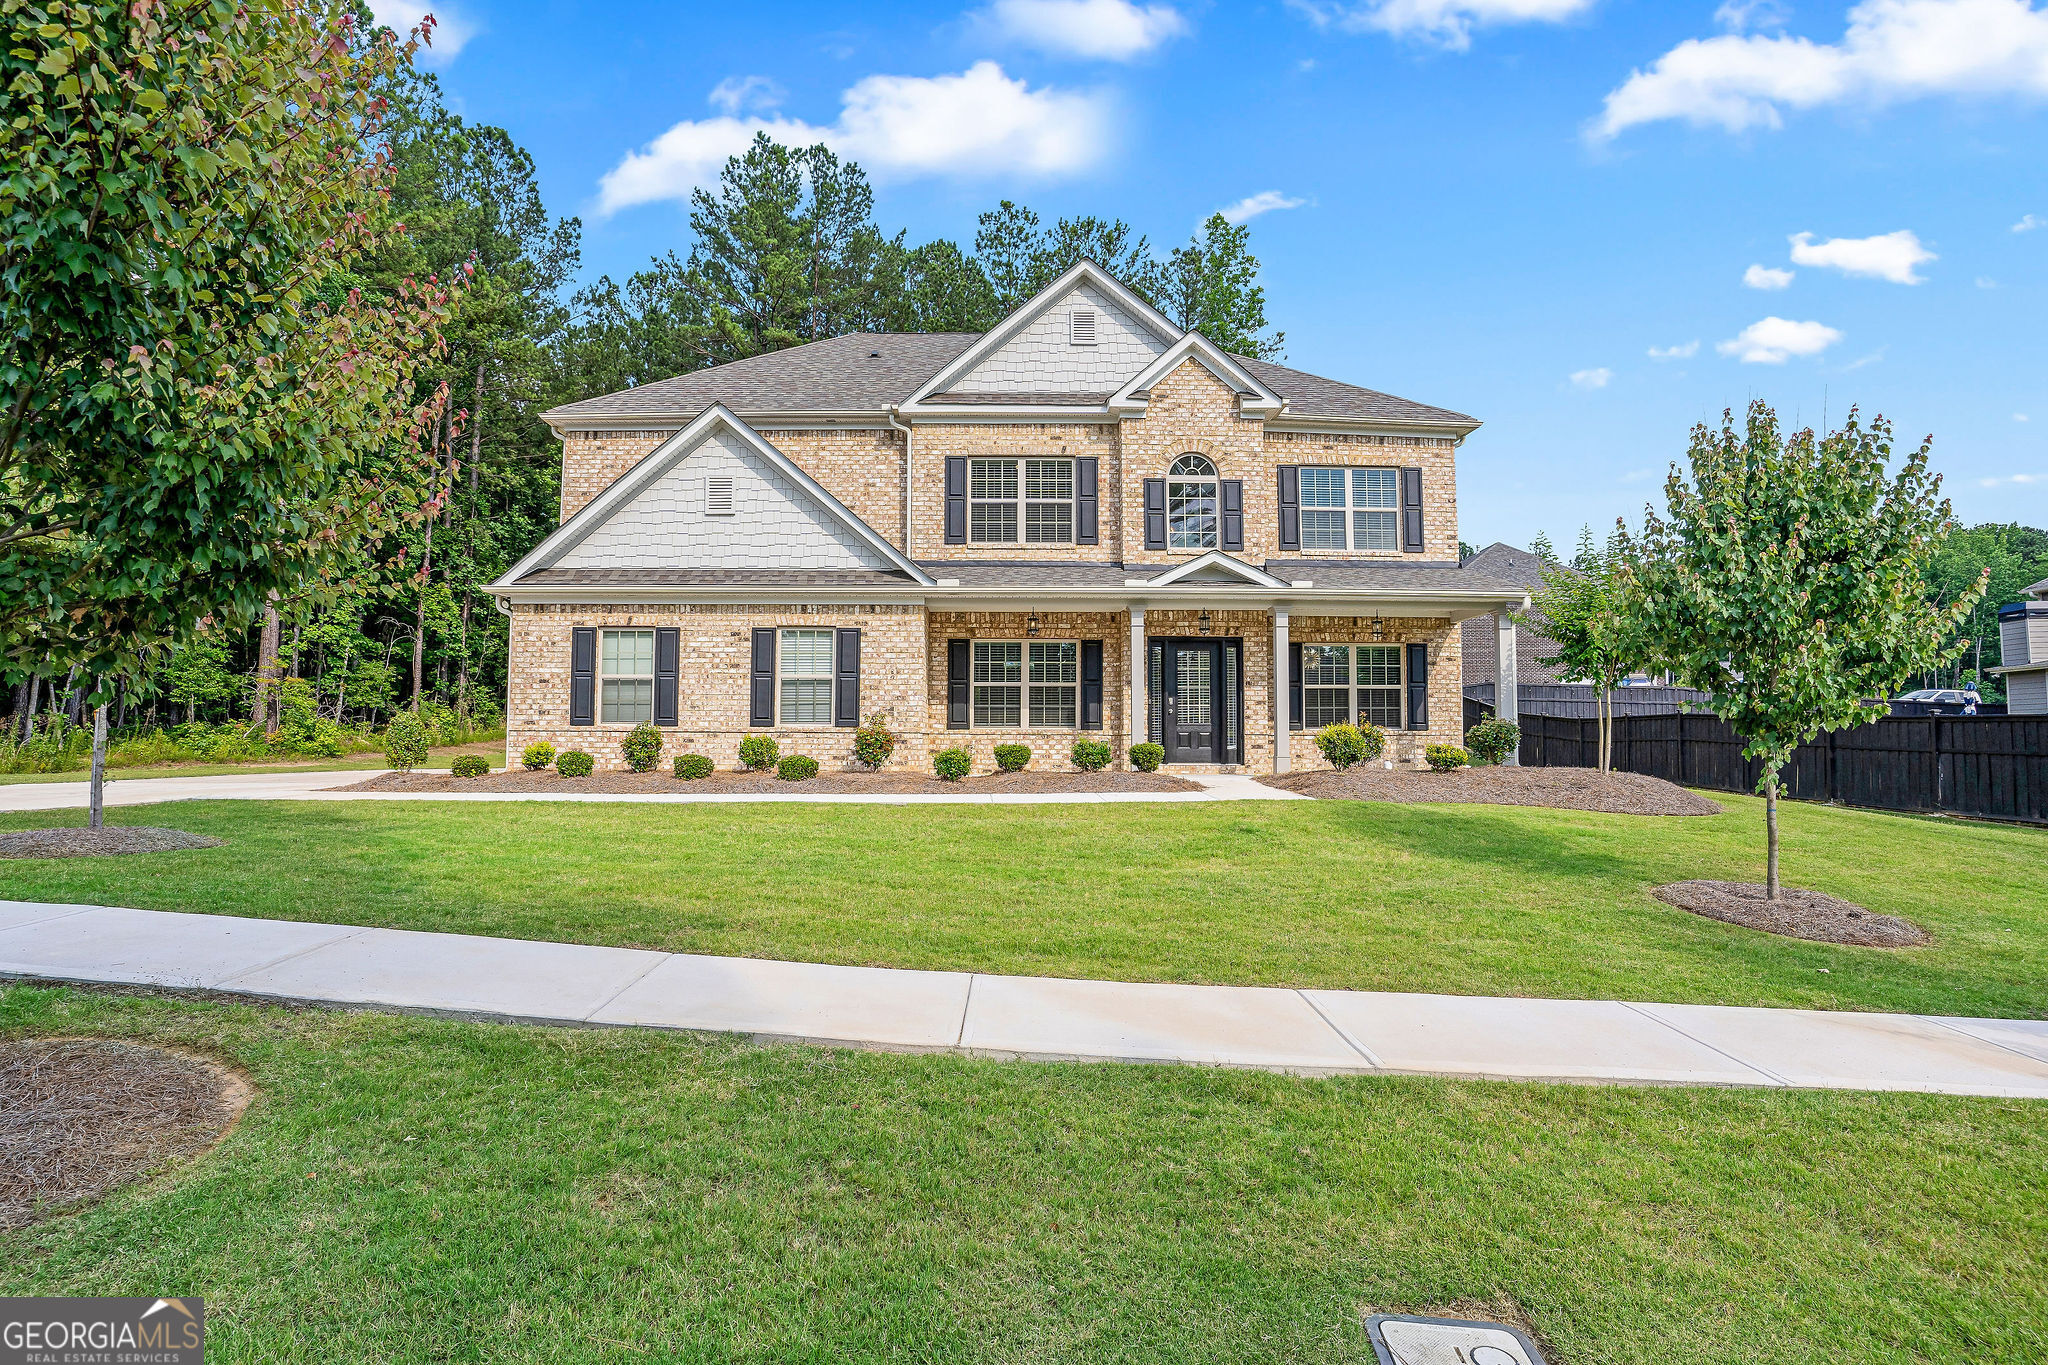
761,692
1091,684
959,711
1233,514
846,677
668,658
1294,685
956,500
1087,529
1411,511
1290,507
1155,514
1418,687
583,676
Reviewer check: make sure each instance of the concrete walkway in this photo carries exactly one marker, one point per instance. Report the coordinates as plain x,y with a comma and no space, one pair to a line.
139,791
1309,1031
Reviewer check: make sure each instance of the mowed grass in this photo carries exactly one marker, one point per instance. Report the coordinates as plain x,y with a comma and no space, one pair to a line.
1458,899
406,1189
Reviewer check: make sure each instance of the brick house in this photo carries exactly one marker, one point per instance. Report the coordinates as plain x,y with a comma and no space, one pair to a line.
1084,523
1481,634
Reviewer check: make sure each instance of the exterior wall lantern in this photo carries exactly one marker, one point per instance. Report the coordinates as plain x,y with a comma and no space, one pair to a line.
1379,629
1202,623
1031,624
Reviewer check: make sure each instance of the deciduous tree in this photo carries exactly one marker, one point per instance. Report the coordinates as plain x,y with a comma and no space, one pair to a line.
1591,613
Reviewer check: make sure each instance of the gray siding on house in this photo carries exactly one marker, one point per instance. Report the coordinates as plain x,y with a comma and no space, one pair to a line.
2026,694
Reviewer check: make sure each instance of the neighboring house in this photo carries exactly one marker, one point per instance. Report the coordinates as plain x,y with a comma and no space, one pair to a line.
1481,633
2023,645
977,535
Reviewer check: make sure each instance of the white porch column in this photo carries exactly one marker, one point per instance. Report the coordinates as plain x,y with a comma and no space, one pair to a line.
1136,707
1507,698
1281,759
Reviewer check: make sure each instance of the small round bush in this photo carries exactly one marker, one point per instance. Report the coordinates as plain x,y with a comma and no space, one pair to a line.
574,763
405,742
796,768
1011,758
1444,757
874,742
470,765
1344,745
759,752
1092,755
642,747
952,764
538,757
690,767
1492,740
1146,758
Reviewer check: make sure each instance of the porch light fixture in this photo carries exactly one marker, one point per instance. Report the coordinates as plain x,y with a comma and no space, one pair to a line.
1031,625
1202,623
1379,629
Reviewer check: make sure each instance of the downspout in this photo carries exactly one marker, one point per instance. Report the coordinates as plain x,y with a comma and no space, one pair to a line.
890,415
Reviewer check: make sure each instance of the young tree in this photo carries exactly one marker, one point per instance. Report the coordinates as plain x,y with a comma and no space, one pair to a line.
1211,286
1590,612
1020,256
1786,579
188,430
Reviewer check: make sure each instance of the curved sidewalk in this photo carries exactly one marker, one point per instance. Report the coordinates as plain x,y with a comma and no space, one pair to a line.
1312,1031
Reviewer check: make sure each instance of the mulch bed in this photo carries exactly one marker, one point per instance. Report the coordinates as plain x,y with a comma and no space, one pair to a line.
79,842
1563,788
1796,913
740,783
79,1117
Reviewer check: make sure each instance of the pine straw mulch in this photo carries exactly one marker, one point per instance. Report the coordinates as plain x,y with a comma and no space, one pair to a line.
1563,788
663,781
1796,913
82,1116
80,842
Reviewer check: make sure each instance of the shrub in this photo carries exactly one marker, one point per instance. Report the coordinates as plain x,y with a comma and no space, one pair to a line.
405,742
952,764
690,767
642,747
1492,740
470,765
759,752
1444,757
1146,758
796,768
1344,745
537,757
574,763
874,742
1092,755
1011,758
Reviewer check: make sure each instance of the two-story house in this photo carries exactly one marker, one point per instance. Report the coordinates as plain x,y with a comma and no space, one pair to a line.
1085,522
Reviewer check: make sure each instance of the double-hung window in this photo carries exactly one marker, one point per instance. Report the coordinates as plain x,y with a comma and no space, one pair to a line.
626,676
1020,502
1350,509
1191,504
1026,682
805,669
1343,683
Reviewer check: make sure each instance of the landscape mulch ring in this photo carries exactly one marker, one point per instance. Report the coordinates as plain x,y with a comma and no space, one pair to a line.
81,842
663,781
1796,913
1563,788
81,1116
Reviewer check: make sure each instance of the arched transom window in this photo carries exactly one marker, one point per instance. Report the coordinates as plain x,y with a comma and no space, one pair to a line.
1191,502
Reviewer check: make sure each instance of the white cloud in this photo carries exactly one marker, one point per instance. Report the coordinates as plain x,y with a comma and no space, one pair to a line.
1986,282
1996,480
2029,223
1105,30
1893,50
451,31
1592,379
1683,351
1265,201
1447,22
1765,277
1737,15
1888,257
738,94
1772,340
978,123
2021,417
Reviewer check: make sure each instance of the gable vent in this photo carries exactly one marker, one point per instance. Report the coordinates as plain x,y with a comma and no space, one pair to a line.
1081,327
718,497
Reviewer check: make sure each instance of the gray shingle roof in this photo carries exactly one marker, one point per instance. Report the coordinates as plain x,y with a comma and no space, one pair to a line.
1504,561
869,372
1014,573
1391,576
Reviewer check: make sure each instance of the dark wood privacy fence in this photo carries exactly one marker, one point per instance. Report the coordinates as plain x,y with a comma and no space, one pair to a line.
1993,767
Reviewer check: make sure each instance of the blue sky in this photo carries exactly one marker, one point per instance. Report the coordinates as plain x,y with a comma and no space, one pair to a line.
1590,223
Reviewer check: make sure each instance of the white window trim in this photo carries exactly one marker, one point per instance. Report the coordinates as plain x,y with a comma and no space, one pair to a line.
1023,501
1352,689
604,677
1351,509
783,675
1214,478
1023,686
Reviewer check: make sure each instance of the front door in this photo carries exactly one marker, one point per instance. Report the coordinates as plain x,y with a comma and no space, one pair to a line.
1194,701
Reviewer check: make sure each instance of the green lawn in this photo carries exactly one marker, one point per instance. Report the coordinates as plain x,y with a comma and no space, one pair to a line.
436,758
1461,899
407,1189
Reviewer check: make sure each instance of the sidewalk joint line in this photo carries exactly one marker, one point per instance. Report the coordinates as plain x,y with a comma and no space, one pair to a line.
50,919
1987,1042
960,1038
287,957
1739,1061
638,977
1360,1048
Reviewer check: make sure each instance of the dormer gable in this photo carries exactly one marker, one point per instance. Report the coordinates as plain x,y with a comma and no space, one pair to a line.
1254,397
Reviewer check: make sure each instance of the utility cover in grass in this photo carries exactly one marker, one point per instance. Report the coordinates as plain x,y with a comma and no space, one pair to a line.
79,842
1448,1341
1796,913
